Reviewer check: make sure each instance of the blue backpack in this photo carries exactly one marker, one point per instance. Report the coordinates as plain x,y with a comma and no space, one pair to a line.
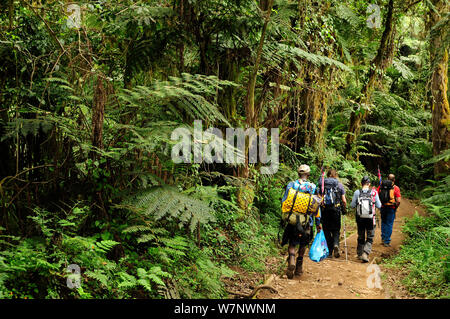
332,194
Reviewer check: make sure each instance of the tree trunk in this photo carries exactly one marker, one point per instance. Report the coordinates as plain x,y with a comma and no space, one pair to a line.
251,116
229,70
379,64
98,110
250,106
314,107
180,46
439,85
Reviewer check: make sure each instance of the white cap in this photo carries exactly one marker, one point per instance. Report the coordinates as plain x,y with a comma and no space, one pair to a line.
304,169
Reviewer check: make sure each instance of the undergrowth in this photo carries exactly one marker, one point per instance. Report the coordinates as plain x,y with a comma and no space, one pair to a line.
425,254
181,251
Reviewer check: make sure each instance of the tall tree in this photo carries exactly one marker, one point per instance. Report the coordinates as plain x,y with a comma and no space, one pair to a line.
250,110
378,65
438,24
250,105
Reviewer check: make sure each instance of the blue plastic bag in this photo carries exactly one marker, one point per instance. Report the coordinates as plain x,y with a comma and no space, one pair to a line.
319,248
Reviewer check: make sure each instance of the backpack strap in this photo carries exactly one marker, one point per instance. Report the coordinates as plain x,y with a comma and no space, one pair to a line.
374,192
374,195
309,204
293,203
358,208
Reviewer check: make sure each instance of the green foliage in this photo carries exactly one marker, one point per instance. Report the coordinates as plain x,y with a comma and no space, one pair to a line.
35,268
178,96
24,267
204,278
227,235
140,225
168,203
426,253
280,52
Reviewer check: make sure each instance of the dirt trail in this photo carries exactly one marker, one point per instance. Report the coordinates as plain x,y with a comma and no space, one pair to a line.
337,278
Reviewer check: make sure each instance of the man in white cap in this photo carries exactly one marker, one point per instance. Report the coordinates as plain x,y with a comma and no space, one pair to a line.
292,235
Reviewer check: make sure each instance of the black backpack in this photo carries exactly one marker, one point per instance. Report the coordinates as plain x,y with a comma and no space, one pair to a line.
332,194
385,191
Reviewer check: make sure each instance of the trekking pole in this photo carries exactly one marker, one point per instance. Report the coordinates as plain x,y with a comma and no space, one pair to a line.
345,238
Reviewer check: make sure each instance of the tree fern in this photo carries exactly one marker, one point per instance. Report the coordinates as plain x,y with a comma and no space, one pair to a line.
166,202
279,52
347,14
403,69
178,95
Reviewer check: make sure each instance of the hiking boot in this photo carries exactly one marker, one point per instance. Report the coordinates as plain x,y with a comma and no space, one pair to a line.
386,245
299,267
364,258
336,252
291,267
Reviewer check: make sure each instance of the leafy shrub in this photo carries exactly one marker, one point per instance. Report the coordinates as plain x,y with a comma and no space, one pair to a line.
426,252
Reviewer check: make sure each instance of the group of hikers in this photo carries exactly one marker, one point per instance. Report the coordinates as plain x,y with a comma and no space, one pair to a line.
333,204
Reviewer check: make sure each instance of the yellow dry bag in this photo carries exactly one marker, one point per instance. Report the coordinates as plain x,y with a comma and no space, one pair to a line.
299,204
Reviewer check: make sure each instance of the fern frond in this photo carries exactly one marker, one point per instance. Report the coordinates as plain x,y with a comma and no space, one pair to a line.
146,238
24,127
444,156
347,14
167,202
182,95
368,154
283,51
379,129
97,275
105,245
403,69
137,228
128,281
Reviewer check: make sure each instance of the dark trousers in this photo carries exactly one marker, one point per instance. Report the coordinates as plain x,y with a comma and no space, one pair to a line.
292,236
366,233
331,224
332,237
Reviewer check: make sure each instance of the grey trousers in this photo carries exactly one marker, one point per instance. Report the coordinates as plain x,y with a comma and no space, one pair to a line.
366,233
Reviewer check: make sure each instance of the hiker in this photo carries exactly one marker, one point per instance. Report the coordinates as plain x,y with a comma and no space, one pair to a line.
365,201
292,234
334,204
390,200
